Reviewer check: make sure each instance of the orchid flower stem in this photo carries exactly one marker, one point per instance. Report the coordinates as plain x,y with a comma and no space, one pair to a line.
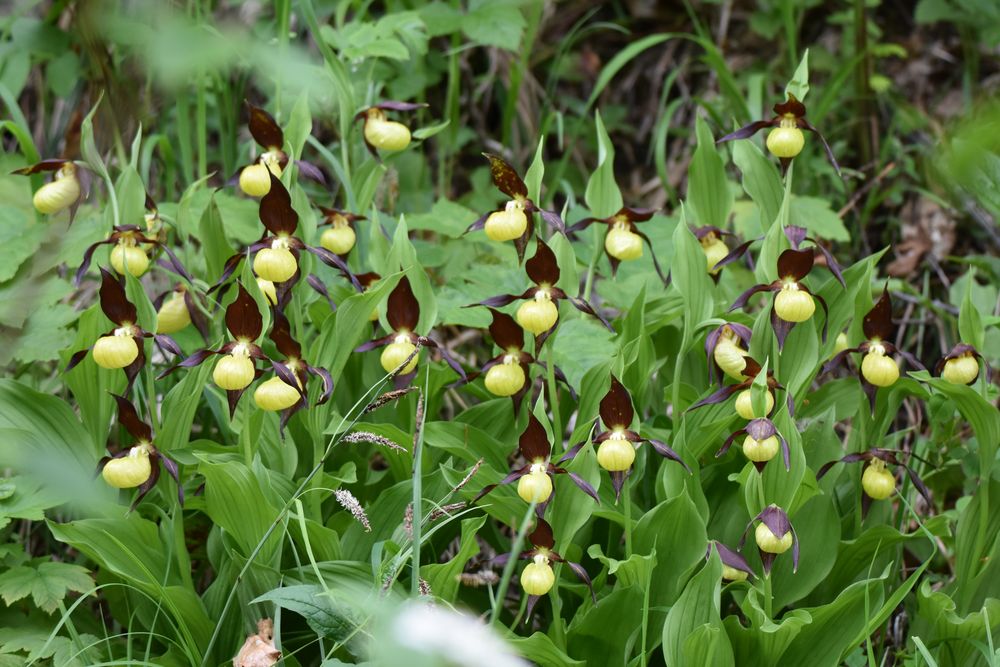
508,569
768,596
643,657
550,373
418,512
627,492
592,267
557,620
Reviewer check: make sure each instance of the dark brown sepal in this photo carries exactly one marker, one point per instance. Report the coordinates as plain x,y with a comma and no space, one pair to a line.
276,212
505,178
114,302
263,128
877,324
243,318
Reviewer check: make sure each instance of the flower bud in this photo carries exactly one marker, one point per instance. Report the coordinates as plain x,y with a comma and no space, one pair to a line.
733,574
785,142
878,482
386,135
173,315
730,358
506,378
266,288
233,372
508,224
536,486
744,405
115,351
771,543
622,243
275,264
58,194
275,394
962,369
793,304
841,343
128,256
715,251
616,454
760,451
397,353
128,471
338,239
254,179
878,369
538,577
538,315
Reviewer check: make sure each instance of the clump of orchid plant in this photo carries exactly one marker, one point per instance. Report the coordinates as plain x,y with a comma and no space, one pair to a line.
534,478
122,346
744,401
793,301
235,370
69,186
877,481
255,178
539,312
514,221
760,444
138,465
774,536
276,254
538,578
623,240
878,368
402,346
616,445
726,350
381,133
785,140
286,391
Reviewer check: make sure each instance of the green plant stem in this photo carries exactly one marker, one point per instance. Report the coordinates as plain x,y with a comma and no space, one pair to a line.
418,513
768,596
557,621
595,257
550,376
643,657
508,570
201,126
626,491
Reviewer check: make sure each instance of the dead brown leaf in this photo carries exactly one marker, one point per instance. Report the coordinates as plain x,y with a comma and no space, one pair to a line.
259,650
927,229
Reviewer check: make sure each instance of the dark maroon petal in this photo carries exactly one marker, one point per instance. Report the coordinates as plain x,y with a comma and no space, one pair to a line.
584,485
584,307
403,311
132,370
731,558
742,299
333,261
785,452
480,222
795,549
826,147
571,453
324,375
392,105
542,268
795,264
746,131
276,212
146,487
553,219
506,332
85,264
445,354
511,477
831,263
534,443
129,419
243,317
314,282
781,328
583,576
734,254
309,170
918,483
795,235
761,429
878,322
666,452
75,359
281,334
372,344
521,242
837,359
114,303
175,262
911,360
167,343
580,225
171,467
501,300
616,406
44,165
718,396
652,255
618,481
227,270
729,442
264,129
505,178
791,106
233,398
541,536
776,520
